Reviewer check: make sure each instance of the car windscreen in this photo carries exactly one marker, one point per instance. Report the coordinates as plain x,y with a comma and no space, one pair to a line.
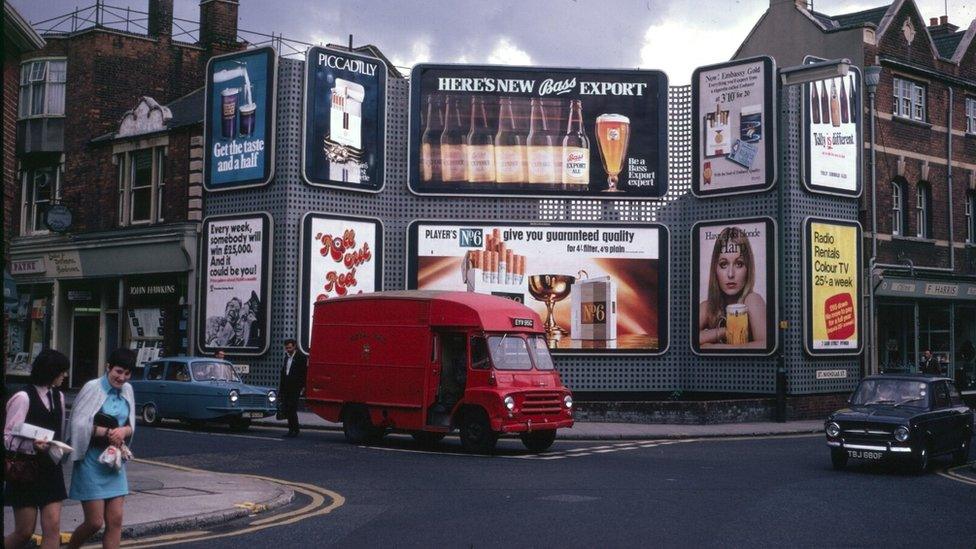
219,371
509,352
540,353
894,392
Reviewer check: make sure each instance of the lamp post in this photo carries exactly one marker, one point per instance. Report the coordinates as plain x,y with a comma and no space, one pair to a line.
872,76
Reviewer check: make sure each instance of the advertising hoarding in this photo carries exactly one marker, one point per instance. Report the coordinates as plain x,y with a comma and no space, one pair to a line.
832,135
344,133
340,256
734,127
832,286
239,119
521,131
600,288
734,279
235,284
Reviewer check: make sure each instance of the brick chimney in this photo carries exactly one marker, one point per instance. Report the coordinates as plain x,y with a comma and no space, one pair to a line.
940,26
218,25
160,18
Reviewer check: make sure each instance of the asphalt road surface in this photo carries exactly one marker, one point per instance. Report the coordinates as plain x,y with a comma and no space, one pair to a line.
770,492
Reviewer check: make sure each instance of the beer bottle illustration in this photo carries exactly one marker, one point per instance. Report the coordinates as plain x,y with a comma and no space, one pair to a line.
480,149
814,104
540,144
509,146
452,142
575,148
430,141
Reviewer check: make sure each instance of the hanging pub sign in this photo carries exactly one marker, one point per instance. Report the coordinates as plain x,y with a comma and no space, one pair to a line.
733,125
235,284
239,119
345,120
733,279
340,256
600,288
832,115
520,131
831,286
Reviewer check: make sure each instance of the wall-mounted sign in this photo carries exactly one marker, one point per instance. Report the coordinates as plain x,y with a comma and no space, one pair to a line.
832,286
149,291
34,265
599,288
734,279
345,120
235,284
239,119
832,137
926,289
58,218
733,123
491,130
832,374
340,256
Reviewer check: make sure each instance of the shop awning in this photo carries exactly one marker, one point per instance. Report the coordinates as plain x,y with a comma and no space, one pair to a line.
921,288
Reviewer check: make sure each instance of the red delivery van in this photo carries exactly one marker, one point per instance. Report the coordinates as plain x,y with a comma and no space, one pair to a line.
428,362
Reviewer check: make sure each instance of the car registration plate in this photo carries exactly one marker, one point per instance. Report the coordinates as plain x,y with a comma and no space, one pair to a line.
865,454
253,414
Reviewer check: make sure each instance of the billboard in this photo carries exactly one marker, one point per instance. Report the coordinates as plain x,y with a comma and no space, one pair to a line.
831,287
734,279
239,119
520,131
340,256
235,284
601,288
734,127
344,131
832,135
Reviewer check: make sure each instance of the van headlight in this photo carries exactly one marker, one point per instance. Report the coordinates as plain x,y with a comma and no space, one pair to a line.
902,434
833,429
234,395
568,401
510,403
272,397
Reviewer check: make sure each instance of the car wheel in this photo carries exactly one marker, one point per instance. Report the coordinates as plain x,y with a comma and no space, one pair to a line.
476,434
921,464
539,441
240,424
426,438
150,416
961,456
357,426
838,458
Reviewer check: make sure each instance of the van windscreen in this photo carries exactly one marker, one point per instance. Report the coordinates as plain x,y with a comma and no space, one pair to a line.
509,352
540,353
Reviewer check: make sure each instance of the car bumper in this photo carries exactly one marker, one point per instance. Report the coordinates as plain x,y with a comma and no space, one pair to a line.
886,448
235,411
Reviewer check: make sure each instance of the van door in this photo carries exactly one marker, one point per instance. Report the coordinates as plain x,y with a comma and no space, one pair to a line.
453,355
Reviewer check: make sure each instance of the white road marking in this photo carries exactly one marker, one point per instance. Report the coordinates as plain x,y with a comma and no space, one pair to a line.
213,433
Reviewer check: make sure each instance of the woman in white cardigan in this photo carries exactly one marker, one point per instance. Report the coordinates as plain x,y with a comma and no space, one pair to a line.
102,488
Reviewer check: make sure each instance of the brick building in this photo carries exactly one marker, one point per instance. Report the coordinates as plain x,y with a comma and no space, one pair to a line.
924,276
111,134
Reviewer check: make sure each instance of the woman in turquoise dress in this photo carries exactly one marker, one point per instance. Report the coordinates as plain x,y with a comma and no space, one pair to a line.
101,488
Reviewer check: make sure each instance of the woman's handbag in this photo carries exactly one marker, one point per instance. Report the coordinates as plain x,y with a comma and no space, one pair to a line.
19,467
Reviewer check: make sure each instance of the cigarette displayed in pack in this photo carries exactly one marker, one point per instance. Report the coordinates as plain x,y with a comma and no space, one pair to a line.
495,270
346,114
594,308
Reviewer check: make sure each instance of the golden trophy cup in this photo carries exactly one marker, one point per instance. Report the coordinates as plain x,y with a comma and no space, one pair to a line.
550,289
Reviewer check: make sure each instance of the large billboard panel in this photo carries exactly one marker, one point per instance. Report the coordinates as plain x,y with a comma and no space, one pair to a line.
832,287
235,284
521,131
734,127
601,288
239,119
832,137
734,280
340,256
344,133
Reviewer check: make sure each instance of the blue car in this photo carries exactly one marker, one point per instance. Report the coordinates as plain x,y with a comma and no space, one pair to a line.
198,389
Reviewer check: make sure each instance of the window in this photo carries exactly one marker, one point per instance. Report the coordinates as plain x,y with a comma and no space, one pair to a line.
479,354
971,115
42,88
141,184
970,227
897,209
41,186
941,395
923,212
156,371
909,100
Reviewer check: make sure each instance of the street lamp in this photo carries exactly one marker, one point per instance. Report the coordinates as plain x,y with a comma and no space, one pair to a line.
872,76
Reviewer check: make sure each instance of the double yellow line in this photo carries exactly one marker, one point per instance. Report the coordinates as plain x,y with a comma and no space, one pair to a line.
951,474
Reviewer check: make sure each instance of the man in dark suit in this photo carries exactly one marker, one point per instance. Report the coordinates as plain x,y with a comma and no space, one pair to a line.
292,384
929,364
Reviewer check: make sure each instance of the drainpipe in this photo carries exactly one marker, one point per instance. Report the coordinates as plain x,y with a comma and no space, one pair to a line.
952,240
872,75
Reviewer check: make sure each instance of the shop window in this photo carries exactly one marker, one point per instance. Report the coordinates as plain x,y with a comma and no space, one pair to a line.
909,100
141,184
923,210
40,188
42,84
897,209
971,115
896,337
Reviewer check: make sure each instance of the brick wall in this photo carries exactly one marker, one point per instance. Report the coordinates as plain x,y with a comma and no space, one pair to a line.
11,86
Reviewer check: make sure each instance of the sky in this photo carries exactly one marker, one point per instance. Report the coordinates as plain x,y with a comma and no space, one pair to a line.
670,35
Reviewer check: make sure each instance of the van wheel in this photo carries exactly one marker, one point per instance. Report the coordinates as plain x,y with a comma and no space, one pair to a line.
539,441
358,428
426,438
476,434
240,424
150,416
838,458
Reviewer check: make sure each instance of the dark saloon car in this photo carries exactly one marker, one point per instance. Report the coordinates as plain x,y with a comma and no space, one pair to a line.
198,389
903,417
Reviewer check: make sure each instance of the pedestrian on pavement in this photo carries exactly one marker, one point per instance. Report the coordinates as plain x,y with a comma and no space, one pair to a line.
929,364
220,355
292,385
41,404
102,488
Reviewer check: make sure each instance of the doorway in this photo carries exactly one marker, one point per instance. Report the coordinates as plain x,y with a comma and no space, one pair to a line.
84,348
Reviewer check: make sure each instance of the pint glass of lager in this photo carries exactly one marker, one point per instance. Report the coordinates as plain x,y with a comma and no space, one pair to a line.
612,135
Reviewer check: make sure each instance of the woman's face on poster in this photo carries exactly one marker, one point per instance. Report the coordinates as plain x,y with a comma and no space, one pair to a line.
731,270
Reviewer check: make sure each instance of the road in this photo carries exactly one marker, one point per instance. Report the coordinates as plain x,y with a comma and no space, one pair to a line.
704,493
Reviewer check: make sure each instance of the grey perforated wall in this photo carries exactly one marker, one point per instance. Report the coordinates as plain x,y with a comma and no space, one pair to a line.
287,198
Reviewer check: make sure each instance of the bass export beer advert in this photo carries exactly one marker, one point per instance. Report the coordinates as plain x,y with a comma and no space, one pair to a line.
239,119
733,127
832,278
832,151
734,279
599,288
340,256
345,120
235,261
492,130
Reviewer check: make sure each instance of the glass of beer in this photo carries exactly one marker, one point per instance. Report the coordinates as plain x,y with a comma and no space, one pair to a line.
612,135
737,324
